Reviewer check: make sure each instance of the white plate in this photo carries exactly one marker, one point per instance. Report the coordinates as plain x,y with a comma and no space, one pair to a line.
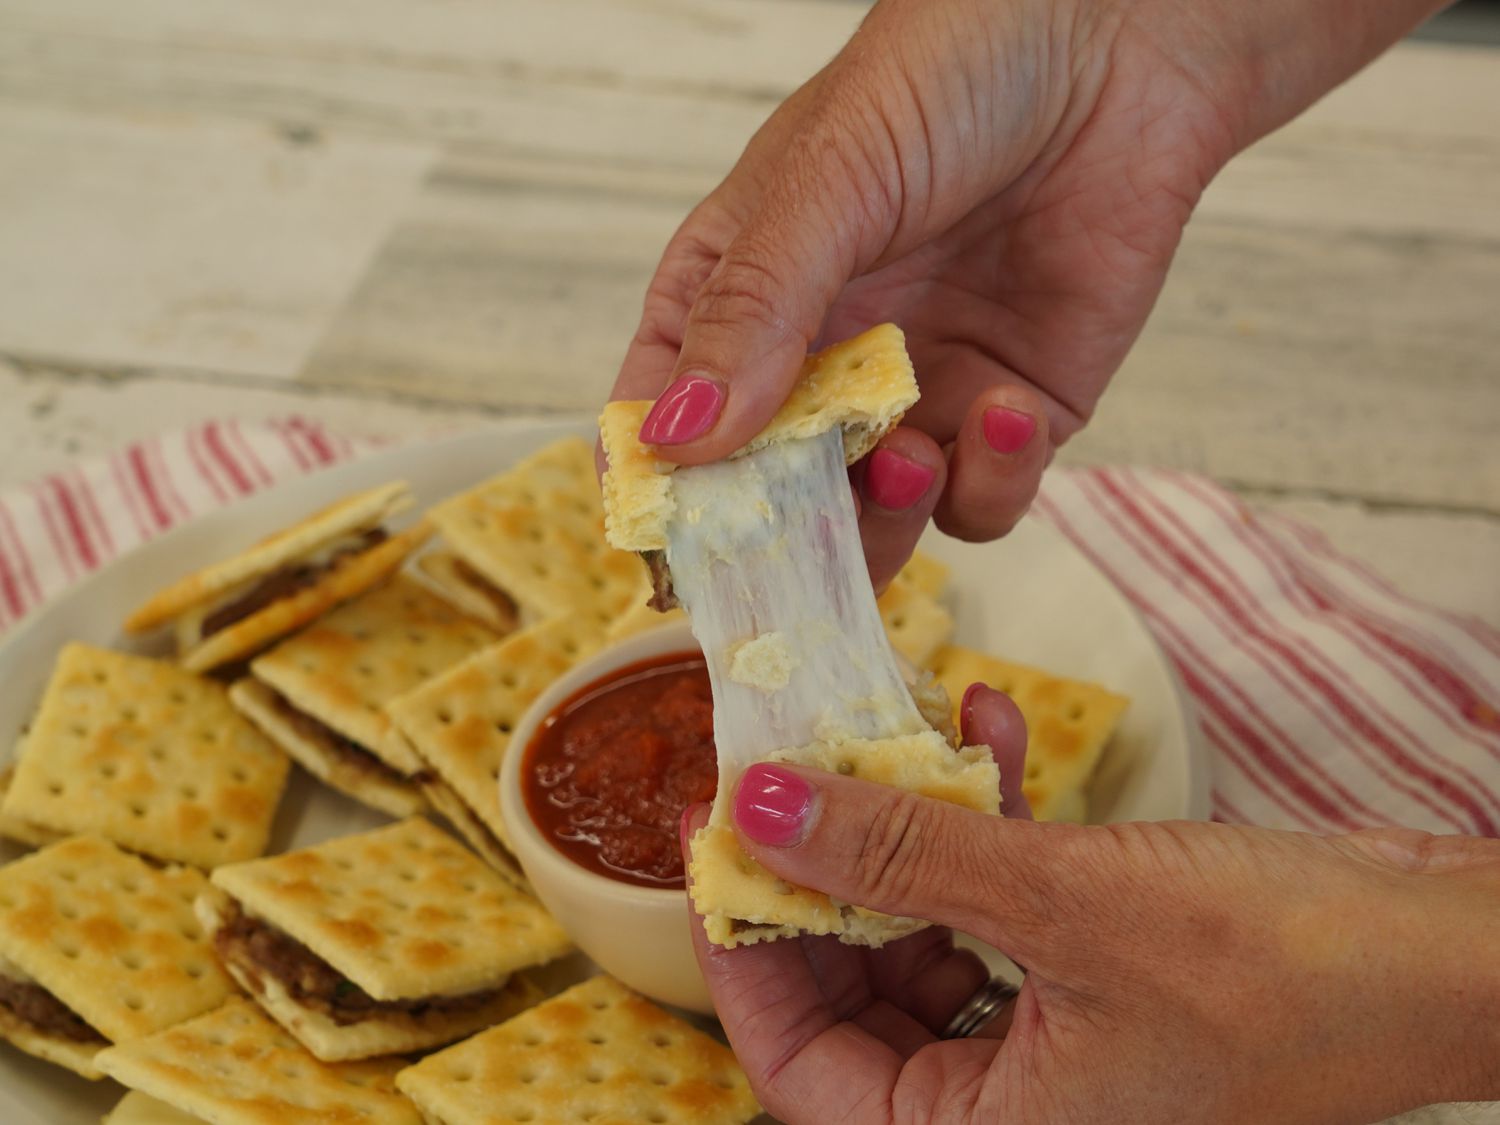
1032,597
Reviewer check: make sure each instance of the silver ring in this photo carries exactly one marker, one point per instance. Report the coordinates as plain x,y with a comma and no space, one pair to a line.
978,1010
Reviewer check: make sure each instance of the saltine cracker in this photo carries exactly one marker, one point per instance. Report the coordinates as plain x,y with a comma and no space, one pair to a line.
317,751
467,591
347,578
536,532
862,385
111,937
234,1066
150,756
460,723
343,668
598,1053
366,509
1068,724
404,912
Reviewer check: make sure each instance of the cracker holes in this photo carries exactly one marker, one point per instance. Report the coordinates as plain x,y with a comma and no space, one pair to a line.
661,1039
524,1114
532,1039
596,1038
527,1077
190,931
425,672
508,679
593,1075
364,670
157,754
65,910
540,569
343,863
188,792
1033,771
78,730
132,961
130,884
68,876
135,1003
109,771
406,875
194,971
898,621
503,725
461,1074
220,833
723,1082
55,788
137,809
69,950
177,695
445,716
1075,711
659,1078
656,1116
240,774
846,767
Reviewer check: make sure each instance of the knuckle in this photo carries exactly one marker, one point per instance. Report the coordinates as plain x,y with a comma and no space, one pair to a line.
744,287
897,838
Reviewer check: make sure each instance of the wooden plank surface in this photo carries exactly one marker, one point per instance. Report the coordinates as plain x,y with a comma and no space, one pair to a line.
505,178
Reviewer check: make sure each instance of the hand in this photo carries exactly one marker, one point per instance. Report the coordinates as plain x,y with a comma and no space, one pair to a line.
1176,972
1007,181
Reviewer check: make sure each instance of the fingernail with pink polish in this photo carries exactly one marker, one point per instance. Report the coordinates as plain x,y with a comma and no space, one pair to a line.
773,805
1007,431
894,482
686,410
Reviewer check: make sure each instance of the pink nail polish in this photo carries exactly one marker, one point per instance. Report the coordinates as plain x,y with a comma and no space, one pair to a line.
894,482
686,410
771,805
1007,431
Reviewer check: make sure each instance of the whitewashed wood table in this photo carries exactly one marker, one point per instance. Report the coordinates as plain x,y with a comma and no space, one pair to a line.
397,215
394,214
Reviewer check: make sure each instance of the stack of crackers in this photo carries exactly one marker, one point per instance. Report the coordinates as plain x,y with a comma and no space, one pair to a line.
151,939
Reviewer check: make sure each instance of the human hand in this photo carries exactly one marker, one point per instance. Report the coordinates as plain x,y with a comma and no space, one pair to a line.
1176,972
1006,181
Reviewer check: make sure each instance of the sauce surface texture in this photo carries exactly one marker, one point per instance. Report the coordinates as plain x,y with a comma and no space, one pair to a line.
607,775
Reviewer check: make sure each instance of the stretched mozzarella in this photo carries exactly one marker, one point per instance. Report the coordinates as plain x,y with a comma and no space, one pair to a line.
765,554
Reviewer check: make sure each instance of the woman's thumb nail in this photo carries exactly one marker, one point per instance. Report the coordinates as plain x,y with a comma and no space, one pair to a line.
773,805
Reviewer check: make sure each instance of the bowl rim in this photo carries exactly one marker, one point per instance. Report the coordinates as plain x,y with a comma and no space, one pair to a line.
526,836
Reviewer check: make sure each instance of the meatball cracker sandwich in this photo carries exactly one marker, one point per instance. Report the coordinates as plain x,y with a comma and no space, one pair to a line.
388,941
235,1066
237,607
320,695
763,550
99,947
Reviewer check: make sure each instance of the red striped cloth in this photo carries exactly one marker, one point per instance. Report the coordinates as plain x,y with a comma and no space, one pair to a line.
1328,700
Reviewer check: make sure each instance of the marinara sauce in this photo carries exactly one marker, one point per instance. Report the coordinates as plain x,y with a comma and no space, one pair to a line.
607,775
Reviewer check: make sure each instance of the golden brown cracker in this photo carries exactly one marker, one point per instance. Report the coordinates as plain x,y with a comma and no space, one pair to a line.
404,911
598,1053
537,532
355,513
110,936
467,591
916,622
344,667
863,385
348,577
150,756
460,723
1068,724
234,1066
317,751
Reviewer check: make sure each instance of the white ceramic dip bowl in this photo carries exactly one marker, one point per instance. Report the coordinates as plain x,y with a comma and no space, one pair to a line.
639,935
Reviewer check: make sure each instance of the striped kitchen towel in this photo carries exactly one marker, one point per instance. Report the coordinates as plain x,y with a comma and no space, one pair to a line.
1328,700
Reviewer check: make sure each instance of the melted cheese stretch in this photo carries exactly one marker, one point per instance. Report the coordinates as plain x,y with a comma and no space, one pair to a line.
765,549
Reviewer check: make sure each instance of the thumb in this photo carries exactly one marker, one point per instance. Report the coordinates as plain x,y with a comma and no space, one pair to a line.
1014,884
761,308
